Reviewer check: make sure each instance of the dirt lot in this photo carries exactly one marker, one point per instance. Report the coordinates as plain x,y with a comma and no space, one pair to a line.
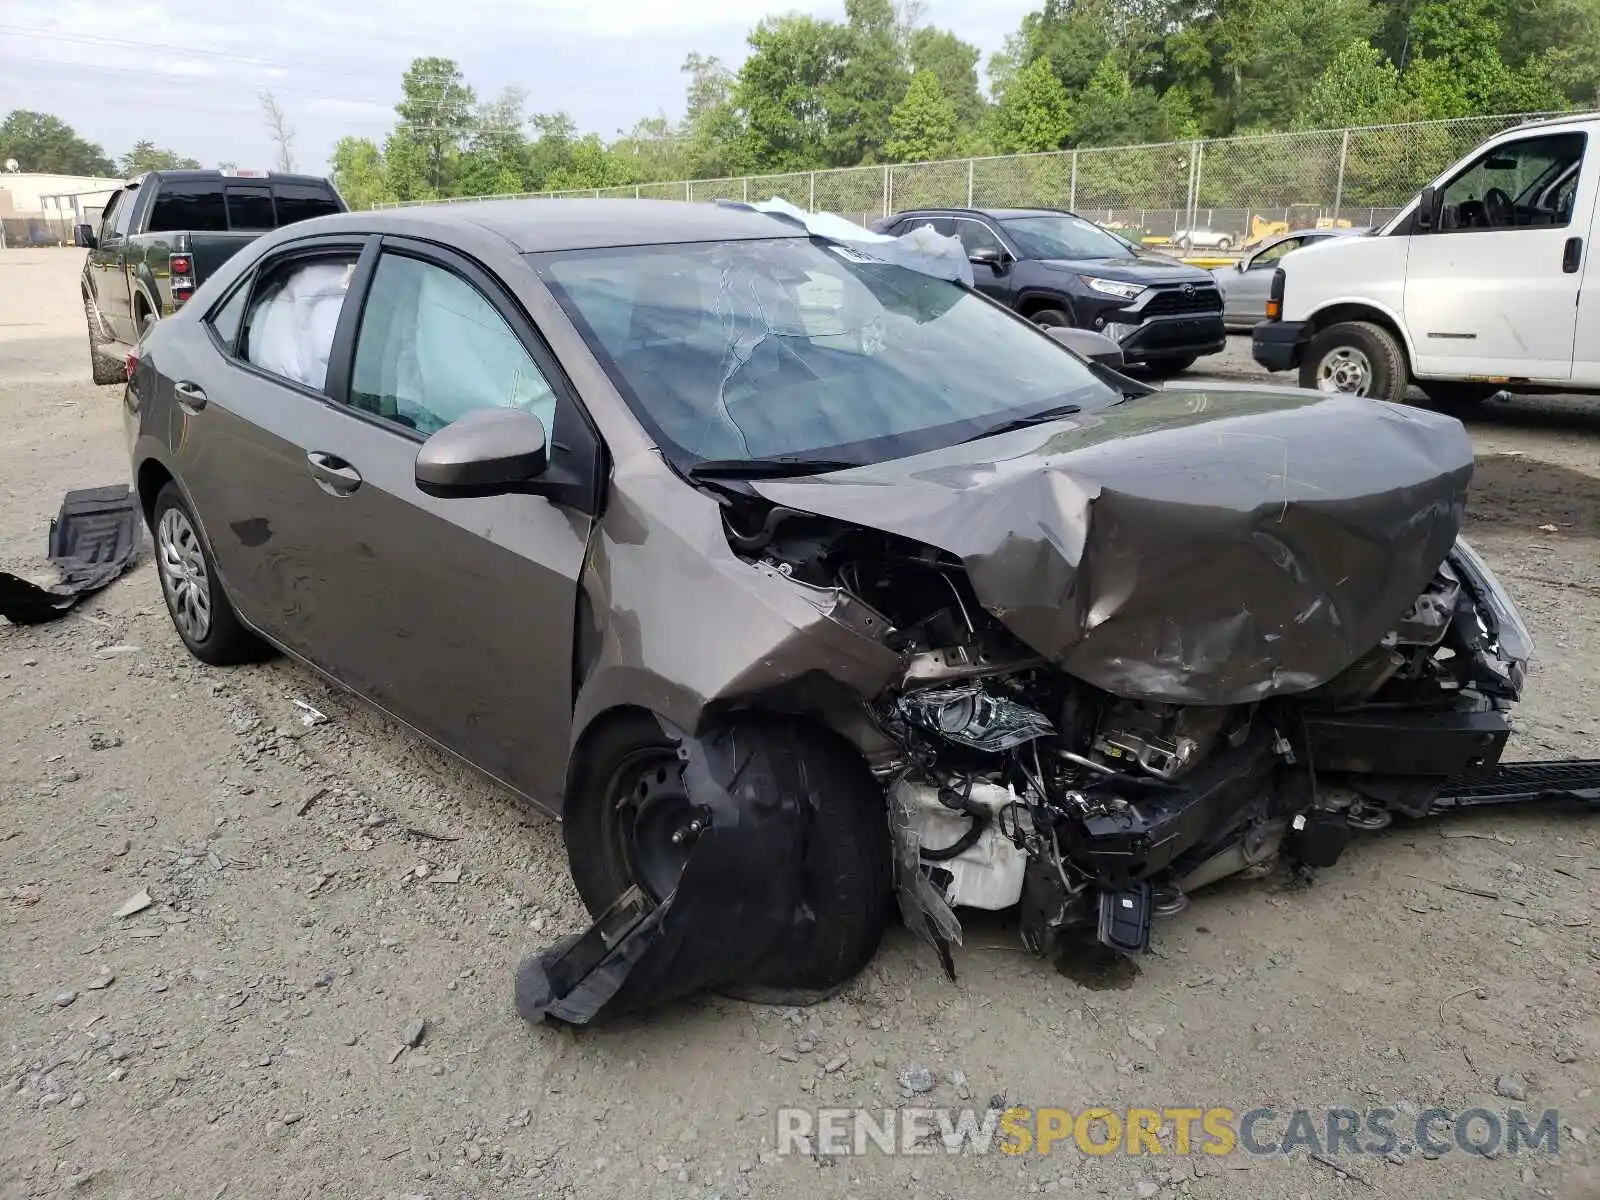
317,891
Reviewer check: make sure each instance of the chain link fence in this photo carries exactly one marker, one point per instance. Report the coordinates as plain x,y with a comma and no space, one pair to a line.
1214,193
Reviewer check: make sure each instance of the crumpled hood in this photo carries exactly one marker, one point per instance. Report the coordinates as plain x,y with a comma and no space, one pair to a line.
1193,547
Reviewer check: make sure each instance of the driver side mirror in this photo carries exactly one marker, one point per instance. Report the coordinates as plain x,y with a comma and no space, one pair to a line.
990,255
1427,208
1242,265
83,235
491,452
1086,343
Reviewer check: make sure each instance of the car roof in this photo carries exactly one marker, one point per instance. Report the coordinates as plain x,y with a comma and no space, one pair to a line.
535,226
187,175
997,214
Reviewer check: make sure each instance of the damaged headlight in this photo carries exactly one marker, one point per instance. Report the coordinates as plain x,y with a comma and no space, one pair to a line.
1516,643
972,717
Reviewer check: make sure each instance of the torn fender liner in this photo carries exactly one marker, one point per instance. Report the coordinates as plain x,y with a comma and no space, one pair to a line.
738,903
93,540
1195,548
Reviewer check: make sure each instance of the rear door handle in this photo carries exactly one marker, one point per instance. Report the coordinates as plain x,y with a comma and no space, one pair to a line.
1572,256
332,473
191,395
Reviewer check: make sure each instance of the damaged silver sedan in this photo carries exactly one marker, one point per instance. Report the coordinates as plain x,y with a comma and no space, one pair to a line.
799,582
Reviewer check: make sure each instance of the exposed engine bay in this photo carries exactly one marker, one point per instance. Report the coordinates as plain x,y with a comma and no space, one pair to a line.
1091,666
1020,785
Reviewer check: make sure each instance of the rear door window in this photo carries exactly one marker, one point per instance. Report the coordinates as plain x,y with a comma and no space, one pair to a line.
302,201
189,204
250,208
293,313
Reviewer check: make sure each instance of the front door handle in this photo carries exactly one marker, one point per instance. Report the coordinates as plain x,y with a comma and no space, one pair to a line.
332,473
191,395
1572,256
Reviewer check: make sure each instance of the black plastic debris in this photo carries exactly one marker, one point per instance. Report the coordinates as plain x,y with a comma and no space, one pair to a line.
738,907
93,540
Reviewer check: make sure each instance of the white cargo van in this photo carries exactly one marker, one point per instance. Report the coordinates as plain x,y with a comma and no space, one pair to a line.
1477,285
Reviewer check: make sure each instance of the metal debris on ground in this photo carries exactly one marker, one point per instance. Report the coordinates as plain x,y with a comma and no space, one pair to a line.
135,903
310,716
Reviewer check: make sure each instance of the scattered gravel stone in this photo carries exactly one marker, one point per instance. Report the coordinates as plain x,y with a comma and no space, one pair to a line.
917,1080
416,1031
1512,1087
63,999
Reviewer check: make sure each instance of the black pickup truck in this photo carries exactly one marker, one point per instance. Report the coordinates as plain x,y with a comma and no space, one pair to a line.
1062,270
164,233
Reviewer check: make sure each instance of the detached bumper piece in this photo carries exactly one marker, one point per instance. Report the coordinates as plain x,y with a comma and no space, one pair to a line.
738,904
1576,779
93,540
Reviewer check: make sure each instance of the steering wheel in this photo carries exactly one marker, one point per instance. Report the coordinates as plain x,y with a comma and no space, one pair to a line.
1498,208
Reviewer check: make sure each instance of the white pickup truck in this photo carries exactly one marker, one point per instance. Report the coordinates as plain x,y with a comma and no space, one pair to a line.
1476,286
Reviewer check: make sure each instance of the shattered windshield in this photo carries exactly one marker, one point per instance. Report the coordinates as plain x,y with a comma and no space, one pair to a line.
800,349
1062,236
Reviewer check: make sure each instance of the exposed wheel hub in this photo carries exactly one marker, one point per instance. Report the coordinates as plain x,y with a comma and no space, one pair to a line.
658,825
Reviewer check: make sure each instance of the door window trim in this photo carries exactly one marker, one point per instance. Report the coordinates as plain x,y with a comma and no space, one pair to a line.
1484,153
581,450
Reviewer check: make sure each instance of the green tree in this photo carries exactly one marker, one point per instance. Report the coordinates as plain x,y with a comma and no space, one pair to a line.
147,156
955,65
1034,113
870,81
780,91
1359,87
495,161
44,143
924,123
359,174
1112,112
653,149
436,118
714,144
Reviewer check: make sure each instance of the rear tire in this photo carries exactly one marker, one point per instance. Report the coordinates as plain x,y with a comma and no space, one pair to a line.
848,862
1164,367
200,611
1053,318
1458,395
103,368
1356,358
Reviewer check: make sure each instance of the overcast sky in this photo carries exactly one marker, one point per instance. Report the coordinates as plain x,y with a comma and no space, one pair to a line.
188,73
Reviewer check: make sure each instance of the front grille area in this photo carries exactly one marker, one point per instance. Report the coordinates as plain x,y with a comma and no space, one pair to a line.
1173,301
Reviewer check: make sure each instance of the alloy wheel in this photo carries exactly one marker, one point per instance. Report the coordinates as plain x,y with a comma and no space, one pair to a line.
184,577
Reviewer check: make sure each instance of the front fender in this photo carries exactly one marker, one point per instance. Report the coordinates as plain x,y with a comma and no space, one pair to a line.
1320,316
673,622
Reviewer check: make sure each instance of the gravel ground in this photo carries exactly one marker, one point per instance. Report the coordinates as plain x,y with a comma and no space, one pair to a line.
317,999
